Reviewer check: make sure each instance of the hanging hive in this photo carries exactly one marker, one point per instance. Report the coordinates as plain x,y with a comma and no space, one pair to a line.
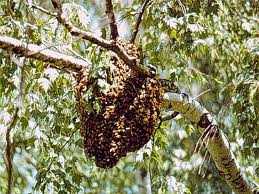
127,116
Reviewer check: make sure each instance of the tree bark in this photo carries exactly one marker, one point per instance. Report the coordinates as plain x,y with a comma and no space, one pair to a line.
112,20
216,142
56,59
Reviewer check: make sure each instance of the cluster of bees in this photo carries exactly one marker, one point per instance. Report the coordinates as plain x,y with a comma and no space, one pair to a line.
128,112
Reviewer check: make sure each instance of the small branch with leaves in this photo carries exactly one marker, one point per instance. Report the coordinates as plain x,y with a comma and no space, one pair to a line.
139,19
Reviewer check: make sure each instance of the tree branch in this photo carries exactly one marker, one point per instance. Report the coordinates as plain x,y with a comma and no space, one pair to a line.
139,19
57,60
8,152
111,20
216,142
169,116
109,45
61,149
43,10
54,58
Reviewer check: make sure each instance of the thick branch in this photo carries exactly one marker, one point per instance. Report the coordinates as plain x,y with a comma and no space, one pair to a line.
111,19
216,142
57,60
139,19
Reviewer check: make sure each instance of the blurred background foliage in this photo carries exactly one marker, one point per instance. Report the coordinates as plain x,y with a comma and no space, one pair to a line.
210,46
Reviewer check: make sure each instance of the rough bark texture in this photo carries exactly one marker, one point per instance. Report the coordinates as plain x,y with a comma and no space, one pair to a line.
57,60
111,19
218,146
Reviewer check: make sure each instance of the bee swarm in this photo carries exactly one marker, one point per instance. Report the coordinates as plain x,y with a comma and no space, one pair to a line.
128,112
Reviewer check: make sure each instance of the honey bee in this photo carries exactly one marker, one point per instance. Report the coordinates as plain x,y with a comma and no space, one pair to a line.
128,113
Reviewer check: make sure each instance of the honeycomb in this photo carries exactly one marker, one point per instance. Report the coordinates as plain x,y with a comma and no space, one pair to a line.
128,111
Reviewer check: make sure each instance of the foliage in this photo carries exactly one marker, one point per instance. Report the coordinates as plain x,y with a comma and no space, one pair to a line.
199,44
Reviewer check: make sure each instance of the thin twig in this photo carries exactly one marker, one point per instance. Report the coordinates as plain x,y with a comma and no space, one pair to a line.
169,117
213,131
9,145
182,7
61,149
201,139
43,10
112,20
8,152
201,94
139,19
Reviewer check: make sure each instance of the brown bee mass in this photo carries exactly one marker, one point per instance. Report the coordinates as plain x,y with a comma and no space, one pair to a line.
127,115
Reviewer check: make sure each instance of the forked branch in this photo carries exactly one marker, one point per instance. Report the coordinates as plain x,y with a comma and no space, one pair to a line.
109,45
76,31
111,20
139,19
